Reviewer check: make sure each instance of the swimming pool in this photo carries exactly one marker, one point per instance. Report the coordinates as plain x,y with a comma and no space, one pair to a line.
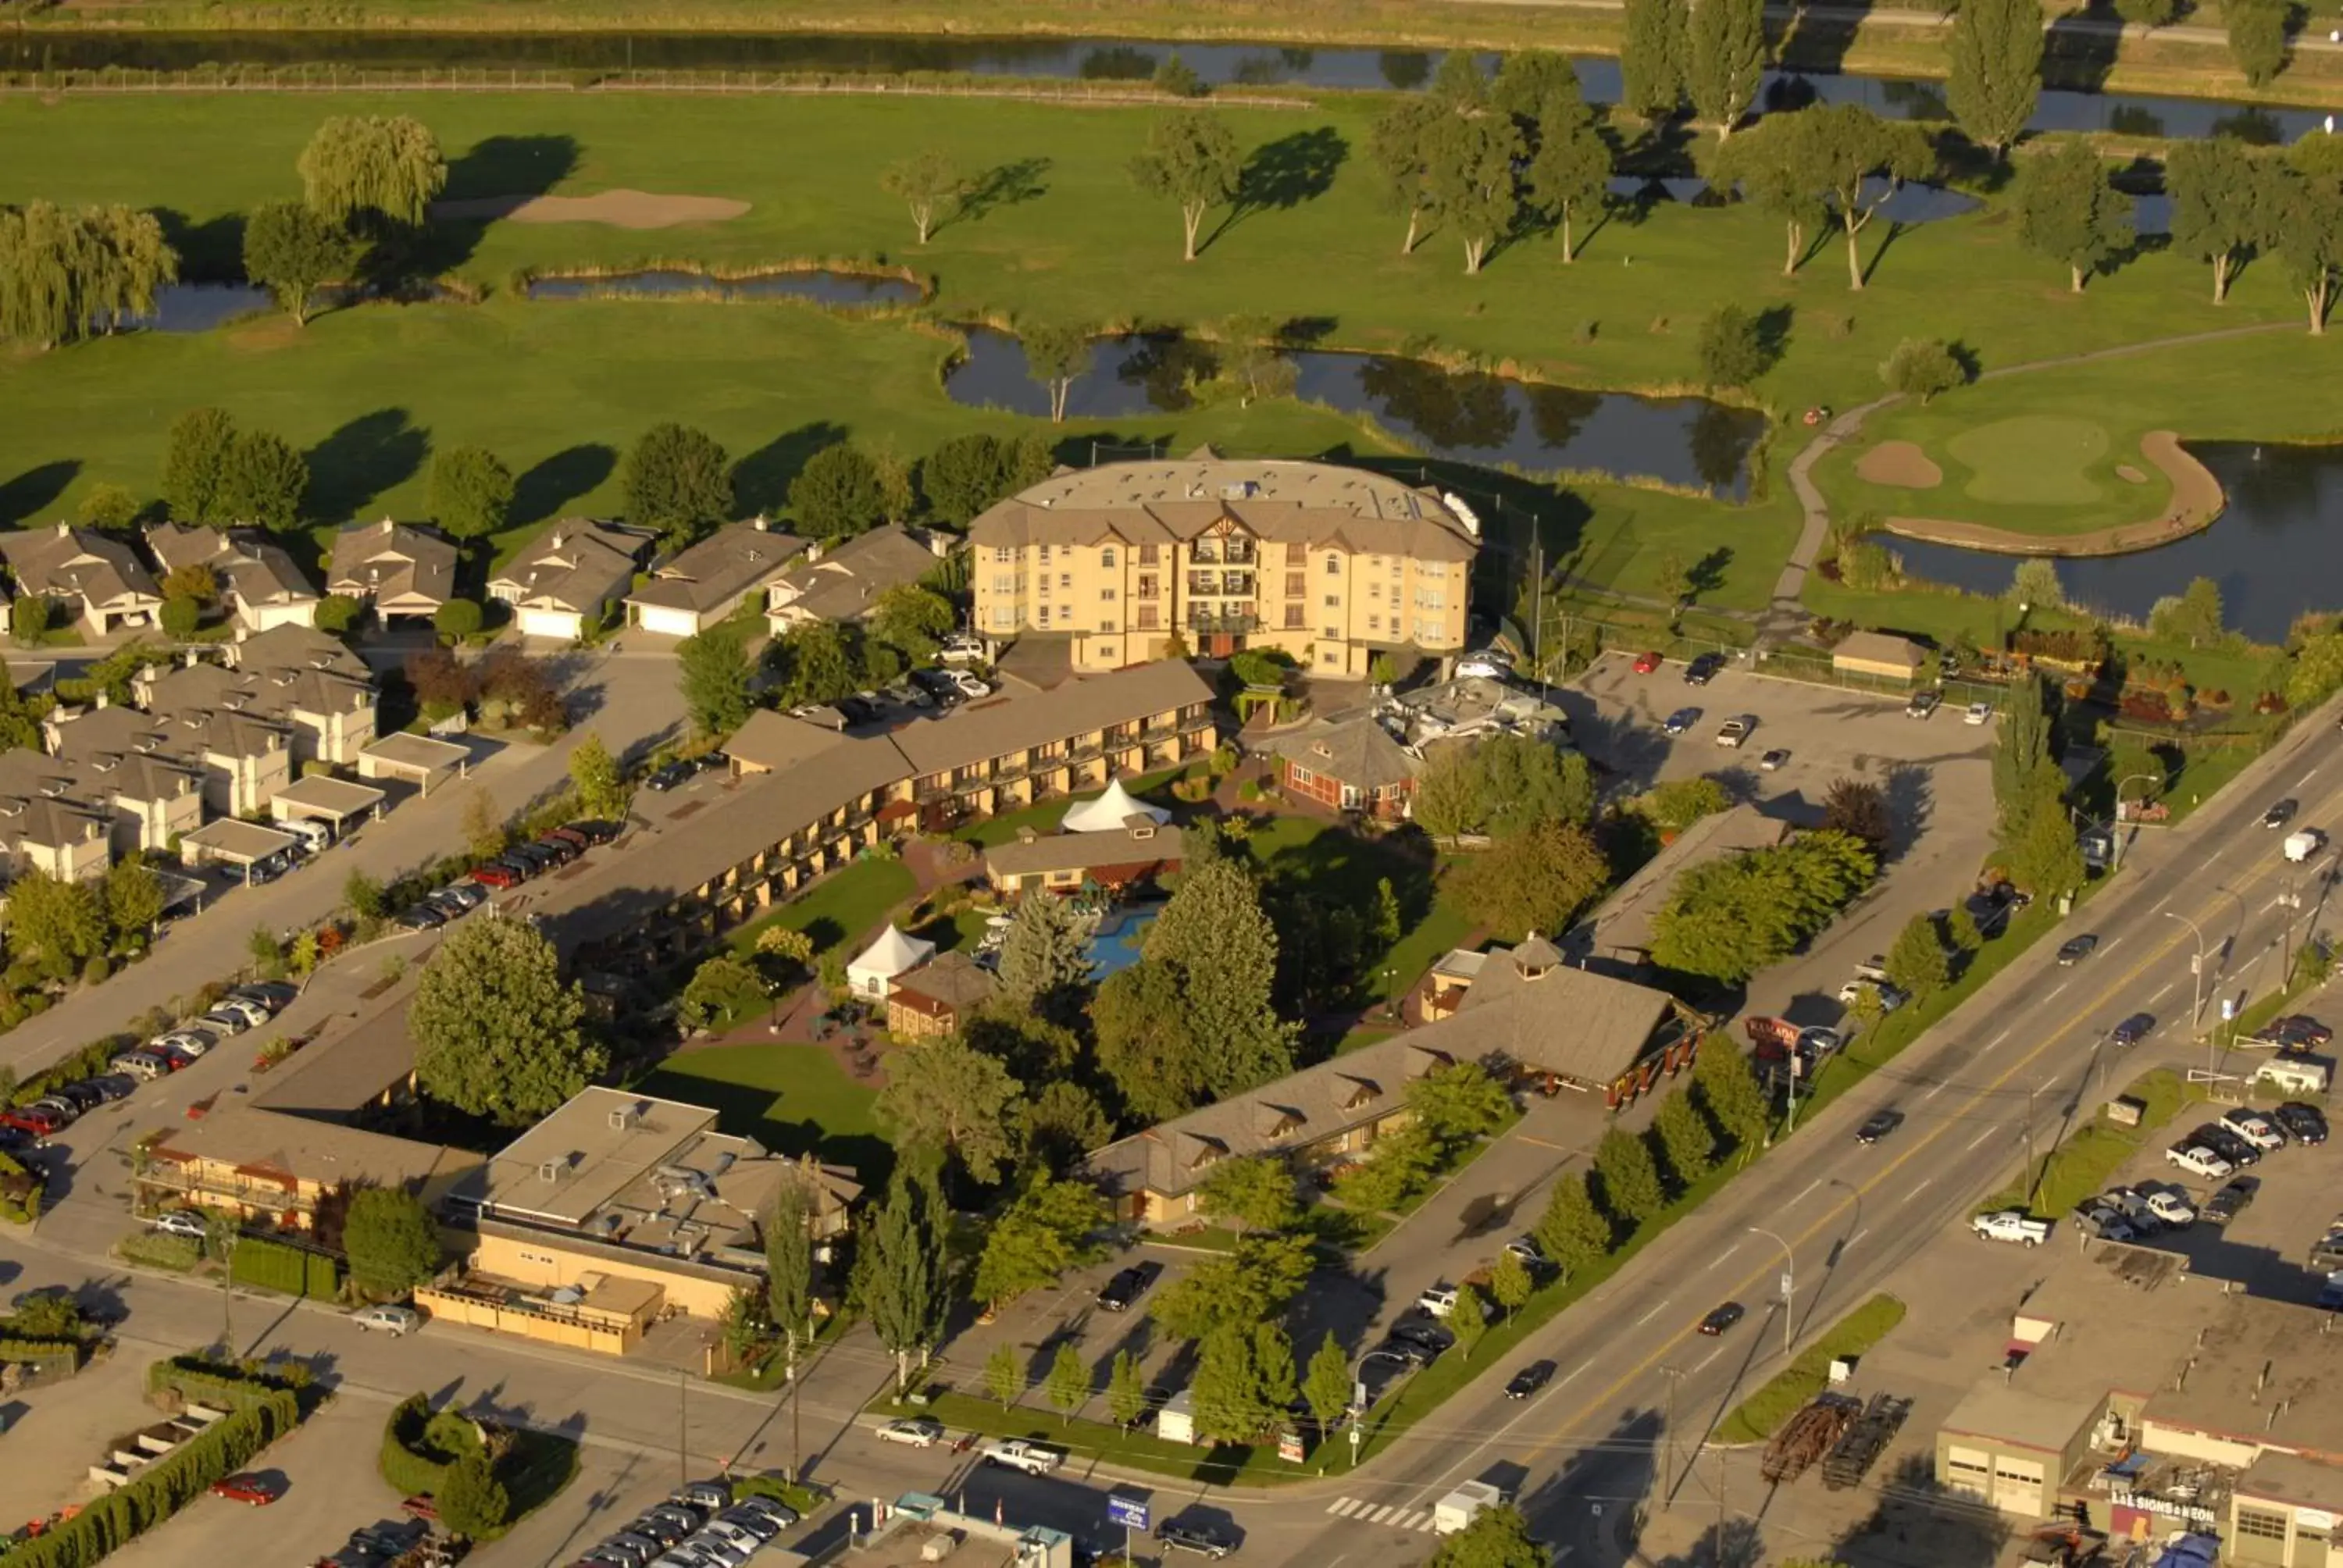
1115,945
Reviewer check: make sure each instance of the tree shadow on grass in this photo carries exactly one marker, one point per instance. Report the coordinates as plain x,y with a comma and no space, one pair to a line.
1281,174
35,490
553,483
760,481
755,1110
1003,185
367,456
210,251
498,172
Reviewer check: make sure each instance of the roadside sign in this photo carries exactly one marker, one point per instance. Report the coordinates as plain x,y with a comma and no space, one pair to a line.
1289,1447
1786,1283
2229,1009
1131,1513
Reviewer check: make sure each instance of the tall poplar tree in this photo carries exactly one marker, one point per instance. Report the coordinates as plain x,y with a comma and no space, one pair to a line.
1726,60
1651,58
1995,69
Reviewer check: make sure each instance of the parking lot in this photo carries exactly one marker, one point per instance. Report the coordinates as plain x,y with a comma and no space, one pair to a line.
2267,1247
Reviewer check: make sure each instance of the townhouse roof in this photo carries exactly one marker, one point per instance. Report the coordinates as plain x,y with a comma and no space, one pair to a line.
67,562
274,694
47,801
210,722
719,567
1621,924
950,982
844,583
1357,751
250,567
388,560
346,1069
1170,501
295,647
303,1150
1019,717
576,564
771,741
1136,846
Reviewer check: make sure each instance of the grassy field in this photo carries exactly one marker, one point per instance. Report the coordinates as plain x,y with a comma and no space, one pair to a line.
1759,1416
792,1099
841,908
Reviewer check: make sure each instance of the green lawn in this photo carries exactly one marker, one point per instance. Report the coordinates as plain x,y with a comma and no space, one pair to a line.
1153,788
1759,1416
841,907
2084,1164
793,1099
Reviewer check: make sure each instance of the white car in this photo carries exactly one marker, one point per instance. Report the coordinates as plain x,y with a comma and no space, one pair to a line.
969,686
1439,1301
181,1222
1890,997
1017,1454
919,1432
2198,1161
1526,1248
2171,1207
245,1008
2012,1225
187,1042
1487,665
961,648
1977,713
399,1321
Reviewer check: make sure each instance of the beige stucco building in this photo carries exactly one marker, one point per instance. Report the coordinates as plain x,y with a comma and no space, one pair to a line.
1329,565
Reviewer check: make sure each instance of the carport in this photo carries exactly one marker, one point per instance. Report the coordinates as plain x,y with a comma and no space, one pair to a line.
234,843
336,802
415,759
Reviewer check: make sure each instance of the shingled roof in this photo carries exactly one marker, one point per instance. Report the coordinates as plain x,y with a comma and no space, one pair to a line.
1356,751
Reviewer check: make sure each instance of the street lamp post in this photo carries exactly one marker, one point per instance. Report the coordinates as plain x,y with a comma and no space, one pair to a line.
1789,1282
2116,831
2195,979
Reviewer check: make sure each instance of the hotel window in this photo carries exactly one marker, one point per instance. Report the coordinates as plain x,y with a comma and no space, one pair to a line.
1106,650
1042,616
1374,623
1002,555
1045,555
1147,555
1003,617
1296,584
1107,625
1333,601
1294,617
1065,579
1106,595
1003,583
1147,621
1332,634
2254,1522
1106,555
1147,587
1333,566
1374,590
1431,599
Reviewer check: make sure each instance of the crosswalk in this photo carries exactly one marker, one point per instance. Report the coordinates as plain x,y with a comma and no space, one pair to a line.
1397,1516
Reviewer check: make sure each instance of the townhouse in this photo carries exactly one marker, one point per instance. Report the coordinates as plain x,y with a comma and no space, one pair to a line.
840,583
399,571
706,583
255,580
99,582
1131,561
565,583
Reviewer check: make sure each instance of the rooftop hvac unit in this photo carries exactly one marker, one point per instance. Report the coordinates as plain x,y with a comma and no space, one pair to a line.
937,1547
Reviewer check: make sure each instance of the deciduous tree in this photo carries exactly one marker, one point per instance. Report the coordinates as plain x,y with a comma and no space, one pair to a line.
497,1032
1469,162
594,773
788,1266
1651,58
372,168
1726,61
1728,919
2021,746
1510,1283
1537,881
265,481
836,495
1146,1044
1769,163
1226,1390
1495,1537
1326,1384
1126,1390
2257,38
954,1098
900,1275
1458,87
1731,349
391,1241
1630,1178
675,482
1191,158
2310,241
1037,1239
1245,1287
1530,82
291,249
1921,368
964,476
1730,1092
1055,358
1995,69
1457,1105
65,273
109,505
471,492
714,672
2070,210
1917,964
1068,1382
1004,1374
2222,206
1570,173
134,897
1858,808
1573,1231
1686,1139
472,1501
58,925
1060,1125
930,183
1222,952
912,617
1252,1193
1395,145
1860,160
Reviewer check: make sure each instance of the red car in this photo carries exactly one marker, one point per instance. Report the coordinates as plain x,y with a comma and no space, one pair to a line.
30,1119
1646,662
247,1487
497,876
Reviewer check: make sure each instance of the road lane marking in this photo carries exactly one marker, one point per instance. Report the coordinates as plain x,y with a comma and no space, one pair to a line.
2306,778
1935,1091
1722,1256
1996,1039
1923,1187
1706,1359
1654,1312
1802,1196
1982,1137
2054,990
1380,1514
1858,1236
2159,995
1343,1506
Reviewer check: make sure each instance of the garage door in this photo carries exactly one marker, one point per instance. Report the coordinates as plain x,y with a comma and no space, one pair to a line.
1969,1470
2017,1486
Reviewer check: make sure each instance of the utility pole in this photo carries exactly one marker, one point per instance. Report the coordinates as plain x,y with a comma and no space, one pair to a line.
1669,1455
2028,1130
682,1445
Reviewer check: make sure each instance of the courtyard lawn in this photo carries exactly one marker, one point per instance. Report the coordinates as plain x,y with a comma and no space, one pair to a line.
792,1099
1153,788
841,907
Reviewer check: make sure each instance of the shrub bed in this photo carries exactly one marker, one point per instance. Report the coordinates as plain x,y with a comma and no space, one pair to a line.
20,1192
1760,1416
274,1266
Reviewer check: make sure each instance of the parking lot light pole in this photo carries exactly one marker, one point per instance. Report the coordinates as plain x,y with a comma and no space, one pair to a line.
2195,967
1789,1282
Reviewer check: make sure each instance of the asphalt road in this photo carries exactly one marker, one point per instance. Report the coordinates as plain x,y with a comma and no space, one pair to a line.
2025,1055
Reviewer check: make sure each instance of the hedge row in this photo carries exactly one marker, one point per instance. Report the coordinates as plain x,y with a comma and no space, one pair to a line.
165,1487
274,1266
403,1463
200,1381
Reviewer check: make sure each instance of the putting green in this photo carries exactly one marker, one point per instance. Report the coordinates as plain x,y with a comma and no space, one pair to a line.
2041,459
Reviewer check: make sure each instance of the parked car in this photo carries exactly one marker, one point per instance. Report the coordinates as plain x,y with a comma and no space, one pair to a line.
1774,760
749,1521
2303,1123
115,1086
396,1321
2170,1207
961,648
596,830
2133,1030
1407,1353
1682,719
458,899
274,995
244,1486
707,1496
421,918
180,1222
2281,812
1489,664
1529,1380
2075,950
1439,1301
1924,703
1733,733
193,1040
780,1512
2227,1144
1978,713
2198,1161
2230,1201
919,1432
1525,1248
144,1064
1121,1293
82,1096
1647,662
1723,1318
496,874
1878,1125
2011,1225
32,1119
227,1022
2299,1028
1201,1540
2253,1127
969,686
1703,671
1017,1454
1427,1336
668,776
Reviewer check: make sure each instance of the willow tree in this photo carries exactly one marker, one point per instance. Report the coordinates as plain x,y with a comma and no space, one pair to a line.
65,272
359,167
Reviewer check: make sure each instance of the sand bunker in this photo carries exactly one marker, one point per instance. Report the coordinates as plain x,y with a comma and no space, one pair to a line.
620,209
1899,463
2196,501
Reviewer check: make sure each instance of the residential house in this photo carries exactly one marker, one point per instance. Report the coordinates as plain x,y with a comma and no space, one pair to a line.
263,1166
399,571
706,583
1347,765
1117,859
621,1186
244,758
98,580
149,801
565,582
841,583
314,683
257,580
1528,1015
1617,937
935,999
1328,564
48,821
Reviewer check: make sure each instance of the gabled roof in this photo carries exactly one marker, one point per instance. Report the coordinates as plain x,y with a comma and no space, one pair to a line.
719,569
1356,751
578,563
389,561
1620,925
251,569
1879,647
67,562
844,583
1140,847
1022,716
892,954
951,981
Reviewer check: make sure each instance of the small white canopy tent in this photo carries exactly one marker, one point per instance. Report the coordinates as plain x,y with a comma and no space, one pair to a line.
872,975
1110,812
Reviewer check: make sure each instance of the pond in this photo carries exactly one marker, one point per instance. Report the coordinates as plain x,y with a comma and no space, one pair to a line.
1459,416
822,286
200,307
1253,65
2276,552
